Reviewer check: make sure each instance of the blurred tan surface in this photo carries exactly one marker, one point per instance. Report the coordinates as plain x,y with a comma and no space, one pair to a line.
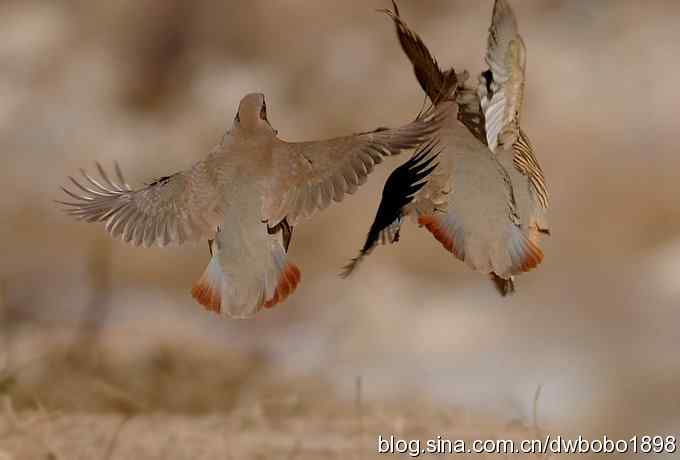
327,433
153,85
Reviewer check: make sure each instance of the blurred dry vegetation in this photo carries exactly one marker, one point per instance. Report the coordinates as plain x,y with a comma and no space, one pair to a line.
91,326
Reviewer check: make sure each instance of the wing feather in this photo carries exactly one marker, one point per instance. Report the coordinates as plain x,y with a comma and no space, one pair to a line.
174,209
501,88
525,161
398,192
432,79
336,167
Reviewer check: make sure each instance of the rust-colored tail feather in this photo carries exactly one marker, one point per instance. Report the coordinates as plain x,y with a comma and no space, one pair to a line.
288,281
434,225
524,251
530,256
207,295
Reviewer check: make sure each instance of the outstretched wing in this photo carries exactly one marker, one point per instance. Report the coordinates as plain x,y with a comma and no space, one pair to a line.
436,82
308,176
432,79
399,190
501,88
501,94
525,161
182,207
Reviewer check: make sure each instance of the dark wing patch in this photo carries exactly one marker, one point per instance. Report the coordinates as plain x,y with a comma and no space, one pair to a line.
471,115
161,181
399,190
470,111
376,130
487,75
435,82
287,230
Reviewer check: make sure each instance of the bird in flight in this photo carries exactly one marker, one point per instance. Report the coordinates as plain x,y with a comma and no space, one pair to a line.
245,198
486,198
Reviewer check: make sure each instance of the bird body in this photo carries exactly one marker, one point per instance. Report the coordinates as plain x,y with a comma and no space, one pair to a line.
476,219
248,264
245,197
486,199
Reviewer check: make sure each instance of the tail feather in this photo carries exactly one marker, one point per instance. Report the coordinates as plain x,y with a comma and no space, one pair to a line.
447,230
208,289
219,293
288,281
523,254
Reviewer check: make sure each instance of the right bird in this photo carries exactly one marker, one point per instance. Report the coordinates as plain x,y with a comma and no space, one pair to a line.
486,198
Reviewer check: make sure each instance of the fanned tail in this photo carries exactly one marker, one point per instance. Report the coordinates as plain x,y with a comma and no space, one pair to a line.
447,230
524,252
208,289
288,281
243,297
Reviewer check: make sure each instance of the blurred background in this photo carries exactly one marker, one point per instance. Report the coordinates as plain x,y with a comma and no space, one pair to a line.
90,325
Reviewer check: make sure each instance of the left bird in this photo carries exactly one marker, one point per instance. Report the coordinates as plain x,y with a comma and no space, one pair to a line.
245,198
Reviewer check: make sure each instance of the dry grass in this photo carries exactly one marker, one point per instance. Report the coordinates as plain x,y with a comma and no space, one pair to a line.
330,431
176,403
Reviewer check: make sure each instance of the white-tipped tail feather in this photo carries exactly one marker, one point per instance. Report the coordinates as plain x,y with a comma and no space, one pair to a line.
237,297
208,290
280,282
519,254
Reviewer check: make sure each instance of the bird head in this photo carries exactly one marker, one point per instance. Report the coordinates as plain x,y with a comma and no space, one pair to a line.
252,115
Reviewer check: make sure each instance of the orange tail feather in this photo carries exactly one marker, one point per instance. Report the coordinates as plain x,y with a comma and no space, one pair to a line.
207,295
434,225
288,281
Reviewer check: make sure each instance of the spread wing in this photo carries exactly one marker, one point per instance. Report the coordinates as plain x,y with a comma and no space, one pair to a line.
430,76
398,192
308,176
182,207
525,161
501,88
434,81
501,94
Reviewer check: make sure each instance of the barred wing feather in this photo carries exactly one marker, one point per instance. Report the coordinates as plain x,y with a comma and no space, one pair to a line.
174,209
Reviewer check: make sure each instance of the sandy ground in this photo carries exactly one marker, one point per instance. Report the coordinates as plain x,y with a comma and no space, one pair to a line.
244,434
123,400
